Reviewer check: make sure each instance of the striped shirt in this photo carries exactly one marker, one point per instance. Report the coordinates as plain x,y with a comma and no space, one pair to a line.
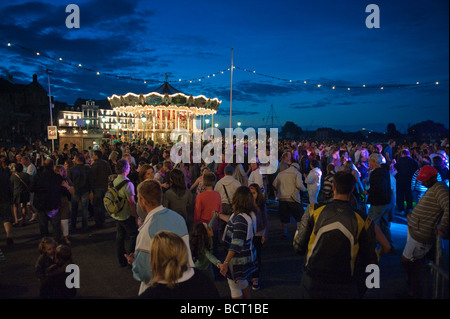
238,237
431,210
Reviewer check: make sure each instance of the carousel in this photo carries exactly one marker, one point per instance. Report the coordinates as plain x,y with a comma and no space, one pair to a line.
156,114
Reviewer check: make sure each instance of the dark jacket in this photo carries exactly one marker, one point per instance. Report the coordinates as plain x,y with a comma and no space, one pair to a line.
79,175
406,167
379,187
6,190
46,186
99,173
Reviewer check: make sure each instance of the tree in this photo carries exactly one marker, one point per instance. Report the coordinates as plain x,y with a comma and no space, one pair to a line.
392,131
291,130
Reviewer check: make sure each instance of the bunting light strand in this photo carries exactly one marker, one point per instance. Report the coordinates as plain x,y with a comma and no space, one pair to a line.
310,83
347,87
121,77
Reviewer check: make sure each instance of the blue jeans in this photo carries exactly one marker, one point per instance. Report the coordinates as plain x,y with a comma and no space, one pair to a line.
380,216
76,198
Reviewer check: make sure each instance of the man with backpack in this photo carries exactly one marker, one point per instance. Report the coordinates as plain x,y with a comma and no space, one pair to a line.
126,217
337,242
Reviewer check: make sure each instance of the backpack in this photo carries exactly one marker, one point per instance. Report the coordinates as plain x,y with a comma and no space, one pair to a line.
112,201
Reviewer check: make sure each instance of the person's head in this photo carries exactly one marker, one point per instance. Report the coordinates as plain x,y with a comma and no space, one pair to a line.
146,171
149,194
405,153
63,253
169,258
314,163
18,168
113,155
49,164
204,170
343,183
47,246
199,239
375,160
438,162
177,180
167,166
427,176
61,170
97,155
330,168
79,158
243,201
68,164
257,194
25,160
209,179
254,165
122,167
229,170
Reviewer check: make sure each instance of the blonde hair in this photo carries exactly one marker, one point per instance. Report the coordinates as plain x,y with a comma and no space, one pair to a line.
60,169
169,258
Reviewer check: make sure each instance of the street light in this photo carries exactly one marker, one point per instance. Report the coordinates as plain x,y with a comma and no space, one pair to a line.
216,124
239,123
49,71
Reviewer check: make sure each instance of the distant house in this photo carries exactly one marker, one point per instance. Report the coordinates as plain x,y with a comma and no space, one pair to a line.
24,108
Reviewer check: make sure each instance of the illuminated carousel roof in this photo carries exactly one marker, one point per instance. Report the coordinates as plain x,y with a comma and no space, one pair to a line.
164,96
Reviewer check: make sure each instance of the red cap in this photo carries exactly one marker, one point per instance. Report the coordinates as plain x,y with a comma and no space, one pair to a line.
426,173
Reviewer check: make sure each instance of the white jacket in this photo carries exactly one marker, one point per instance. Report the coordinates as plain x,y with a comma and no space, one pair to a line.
231,185
288,185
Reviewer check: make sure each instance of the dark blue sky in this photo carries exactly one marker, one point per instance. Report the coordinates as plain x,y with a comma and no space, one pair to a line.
322,42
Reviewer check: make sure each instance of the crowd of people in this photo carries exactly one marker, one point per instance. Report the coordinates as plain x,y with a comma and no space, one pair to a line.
219,210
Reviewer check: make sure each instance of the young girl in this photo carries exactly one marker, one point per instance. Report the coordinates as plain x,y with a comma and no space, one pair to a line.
57,276
46,258
67,190
262,223
172,278
240,263
201,242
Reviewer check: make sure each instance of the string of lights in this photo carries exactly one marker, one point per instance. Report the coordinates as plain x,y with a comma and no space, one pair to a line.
116,76
310,83
347,87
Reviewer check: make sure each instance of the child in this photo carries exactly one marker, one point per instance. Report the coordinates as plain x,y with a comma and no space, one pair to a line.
56,274
261,229
46,249
201,242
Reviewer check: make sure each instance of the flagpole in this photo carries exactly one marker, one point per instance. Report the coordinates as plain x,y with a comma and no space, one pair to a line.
231,87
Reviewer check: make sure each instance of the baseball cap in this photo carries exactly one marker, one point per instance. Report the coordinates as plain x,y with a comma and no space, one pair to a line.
426,172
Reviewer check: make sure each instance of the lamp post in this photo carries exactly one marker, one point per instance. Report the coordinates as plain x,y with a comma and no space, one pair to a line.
48,71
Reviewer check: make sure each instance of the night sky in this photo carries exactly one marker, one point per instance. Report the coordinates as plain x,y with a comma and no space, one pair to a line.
323,42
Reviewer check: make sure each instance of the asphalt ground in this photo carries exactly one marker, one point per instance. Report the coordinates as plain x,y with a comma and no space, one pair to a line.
101,277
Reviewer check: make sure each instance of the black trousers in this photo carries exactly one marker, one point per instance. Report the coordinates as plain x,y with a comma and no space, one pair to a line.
125,228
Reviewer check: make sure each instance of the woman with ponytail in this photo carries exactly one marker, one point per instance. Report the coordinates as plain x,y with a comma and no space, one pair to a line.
172,278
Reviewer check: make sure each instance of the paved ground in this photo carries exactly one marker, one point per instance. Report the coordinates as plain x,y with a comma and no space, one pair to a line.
102,278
